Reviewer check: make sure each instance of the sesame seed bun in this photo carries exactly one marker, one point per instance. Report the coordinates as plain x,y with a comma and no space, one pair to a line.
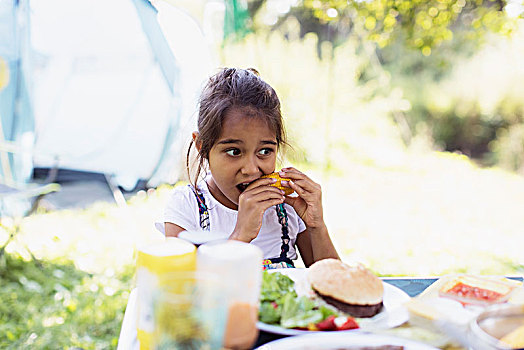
353,285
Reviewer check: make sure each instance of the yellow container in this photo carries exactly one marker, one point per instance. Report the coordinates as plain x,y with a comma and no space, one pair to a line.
154,263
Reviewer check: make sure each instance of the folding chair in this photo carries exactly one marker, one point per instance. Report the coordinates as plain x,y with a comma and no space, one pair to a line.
17,199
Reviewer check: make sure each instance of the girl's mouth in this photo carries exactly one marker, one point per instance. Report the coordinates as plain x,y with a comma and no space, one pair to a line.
242,187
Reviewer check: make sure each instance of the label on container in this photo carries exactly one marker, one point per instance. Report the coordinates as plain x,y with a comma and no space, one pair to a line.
148,283
153,262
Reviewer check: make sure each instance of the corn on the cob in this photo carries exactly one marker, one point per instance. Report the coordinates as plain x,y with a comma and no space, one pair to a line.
287,190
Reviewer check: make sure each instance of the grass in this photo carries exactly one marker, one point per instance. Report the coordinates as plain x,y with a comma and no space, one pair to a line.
52,304
429,215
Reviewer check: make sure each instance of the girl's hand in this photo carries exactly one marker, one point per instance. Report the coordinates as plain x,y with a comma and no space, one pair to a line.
252,204
308,204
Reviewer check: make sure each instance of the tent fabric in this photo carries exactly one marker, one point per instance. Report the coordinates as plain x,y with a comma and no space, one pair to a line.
99,86
16,118
113,90
148,18
102,103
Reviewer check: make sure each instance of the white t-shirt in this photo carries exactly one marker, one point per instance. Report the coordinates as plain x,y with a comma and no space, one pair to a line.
182,210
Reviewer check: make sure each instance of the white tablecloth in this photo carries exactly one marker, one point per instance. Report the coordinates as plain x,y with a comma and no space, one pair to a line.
128,335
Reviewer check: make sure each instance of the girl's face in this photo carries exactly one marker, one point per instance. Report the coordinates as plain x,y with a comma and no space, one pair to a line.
245,150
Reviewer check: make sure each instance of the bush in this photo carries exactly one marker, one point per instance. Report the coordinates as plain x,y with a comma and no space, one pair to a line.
477,109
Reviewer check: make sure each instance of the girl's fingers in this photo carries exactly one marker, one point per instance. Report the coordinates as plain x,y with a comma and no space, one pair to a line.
266,196
258,195
298,189
302,181
295,175
262,196
261,182
291,172
271,202
264,202
261,189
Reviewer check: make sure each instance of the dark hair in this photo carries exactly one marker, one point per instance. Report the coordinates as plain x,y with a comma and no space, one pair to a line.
234,88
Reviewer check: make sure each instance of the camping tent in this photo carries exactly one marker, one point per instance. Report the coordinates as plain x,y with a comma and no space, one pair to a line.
104,87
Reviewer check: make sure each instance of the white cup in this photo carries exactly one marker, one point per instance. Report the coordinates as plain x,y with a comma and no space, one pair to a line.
239,265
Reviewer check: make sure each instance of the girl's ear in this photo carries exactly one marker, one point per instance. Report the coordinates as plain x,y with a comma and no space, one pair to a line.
196,140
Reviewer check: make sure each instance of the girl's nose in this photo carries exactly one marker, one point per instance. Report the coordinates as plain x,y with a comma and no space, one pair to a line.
250,166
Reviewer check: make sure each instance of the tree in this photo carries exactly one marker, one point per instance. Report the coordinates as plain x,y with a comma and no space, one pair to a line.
414,44
421,24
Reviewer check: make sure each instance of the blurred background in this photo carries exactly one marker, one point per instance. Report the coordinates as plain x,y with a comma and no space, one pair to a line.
409,113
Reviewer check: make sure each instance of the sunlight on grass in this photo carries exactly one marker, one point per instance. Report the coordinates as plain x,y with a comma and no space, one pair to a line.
431,215
99,239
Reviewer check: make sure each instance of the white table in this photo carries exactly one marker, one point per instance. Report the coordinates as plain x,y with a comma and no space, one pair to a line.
128,339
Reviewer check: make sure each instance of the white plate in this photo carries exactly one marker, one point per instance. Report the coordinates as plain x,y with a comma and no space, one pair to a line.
341,340
392,315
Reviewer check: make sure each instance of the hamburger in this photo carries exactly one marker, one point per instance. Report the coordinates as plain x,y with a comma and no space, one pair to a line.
278,184
354,290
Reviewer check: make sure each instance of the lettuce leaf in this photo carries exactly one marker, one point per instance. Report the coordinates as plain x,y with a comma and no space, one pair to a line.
269,313
280,304
275,285
298,312
301,312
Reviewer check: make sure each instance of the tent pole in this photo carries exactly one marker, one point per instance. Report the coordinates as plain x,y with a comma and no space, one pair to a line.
117,194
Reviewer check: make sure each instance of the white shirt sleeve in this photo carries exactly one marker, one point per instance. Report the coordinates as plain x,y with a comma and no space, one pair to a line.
301,225
182,209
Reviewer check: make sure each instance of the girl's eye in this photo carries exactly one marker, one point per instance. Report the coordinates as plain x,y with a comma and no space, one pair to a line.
233,152
265,151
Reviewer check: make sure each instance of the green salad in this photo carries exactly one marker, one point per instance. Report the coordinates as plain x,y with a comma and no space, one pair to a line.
280,305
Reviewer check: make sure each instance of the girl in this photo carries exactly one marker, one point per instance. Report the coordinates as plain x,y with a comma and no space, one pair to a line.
240,131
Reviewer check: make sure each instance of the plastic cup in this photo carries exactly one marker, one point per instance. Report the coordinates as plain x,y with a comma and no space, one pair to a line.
239,265
189,312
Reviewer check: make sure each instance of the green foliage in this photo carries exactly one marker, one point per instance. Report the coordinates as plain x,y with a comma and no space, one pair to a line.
477,107
236,20
423,25
508,148
51,304
328,108
417,48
